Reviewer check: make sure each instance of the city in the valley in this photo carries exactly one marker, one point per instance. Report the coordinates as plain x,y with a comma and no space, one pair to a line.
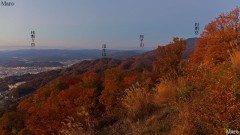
21,70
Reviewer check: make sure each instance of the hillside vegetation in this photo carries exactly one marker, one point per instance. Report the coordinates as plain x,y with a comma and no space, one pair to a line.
167,95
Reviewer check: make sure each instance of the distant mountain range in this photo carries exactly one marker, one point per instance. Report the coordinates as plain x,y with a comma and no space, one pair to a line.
141,62
190,47
52,57
13,64
44,55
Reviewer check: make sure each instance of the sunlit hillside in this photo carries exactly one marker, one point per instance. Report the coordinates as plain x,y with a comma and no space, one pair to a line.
171,90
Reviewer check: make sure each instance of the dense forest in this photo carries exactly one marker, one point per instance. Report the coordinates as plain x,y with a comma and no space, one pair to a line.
164,94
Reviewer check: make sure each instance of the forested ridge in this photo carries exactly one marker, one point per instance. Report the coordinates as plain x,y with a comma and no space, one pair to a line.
167,92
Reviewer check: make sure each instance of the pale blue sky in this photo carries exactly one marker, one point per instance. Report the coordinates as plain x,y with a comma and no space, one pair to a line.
87,24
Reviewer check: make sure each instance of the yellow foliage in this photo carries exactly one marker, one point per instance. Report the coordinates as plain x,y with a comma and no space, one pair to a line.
166,93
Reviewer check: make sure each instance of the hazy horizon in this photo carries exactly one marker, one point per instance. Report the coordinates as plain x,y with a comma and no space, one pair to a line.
16,48
89,24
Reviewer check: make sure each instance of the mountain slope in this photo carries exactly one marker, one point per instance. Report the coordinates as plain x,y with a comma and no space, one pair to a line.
81,84
138,63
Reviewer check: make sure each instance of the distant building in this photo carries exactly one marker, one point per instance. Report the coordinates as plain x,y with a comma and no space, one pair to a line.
15,85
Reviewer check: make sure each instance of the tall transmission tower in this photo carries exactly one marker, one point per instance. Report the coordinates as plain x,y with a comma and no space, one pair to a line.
104,46
141,39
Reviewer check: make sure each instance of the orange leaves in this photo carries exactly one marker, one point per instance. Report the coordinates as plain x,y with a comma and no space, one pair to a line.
208,94
217,39
169,57
46,109
91,80
114,86
11,121
116,81
215,105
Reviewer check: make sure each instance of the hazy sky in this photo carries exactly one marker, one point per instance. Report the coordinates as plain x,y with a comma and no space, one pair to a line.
87,24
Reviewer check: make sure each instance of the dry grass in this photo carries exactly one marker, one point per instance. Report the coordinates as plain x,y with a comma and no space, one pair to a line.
150,112
144,112
79,125
165,93
138,102
72,127
182,125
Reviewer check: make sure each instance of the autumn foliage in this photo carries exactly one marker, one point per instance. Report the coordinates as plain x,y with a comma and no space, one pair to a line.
169,58
201,96
220,35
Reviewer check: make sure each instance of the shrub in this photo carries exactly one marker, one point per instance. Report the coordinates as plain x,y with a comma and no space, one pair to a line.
165,93
77,125
71,127
235,59
138,102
